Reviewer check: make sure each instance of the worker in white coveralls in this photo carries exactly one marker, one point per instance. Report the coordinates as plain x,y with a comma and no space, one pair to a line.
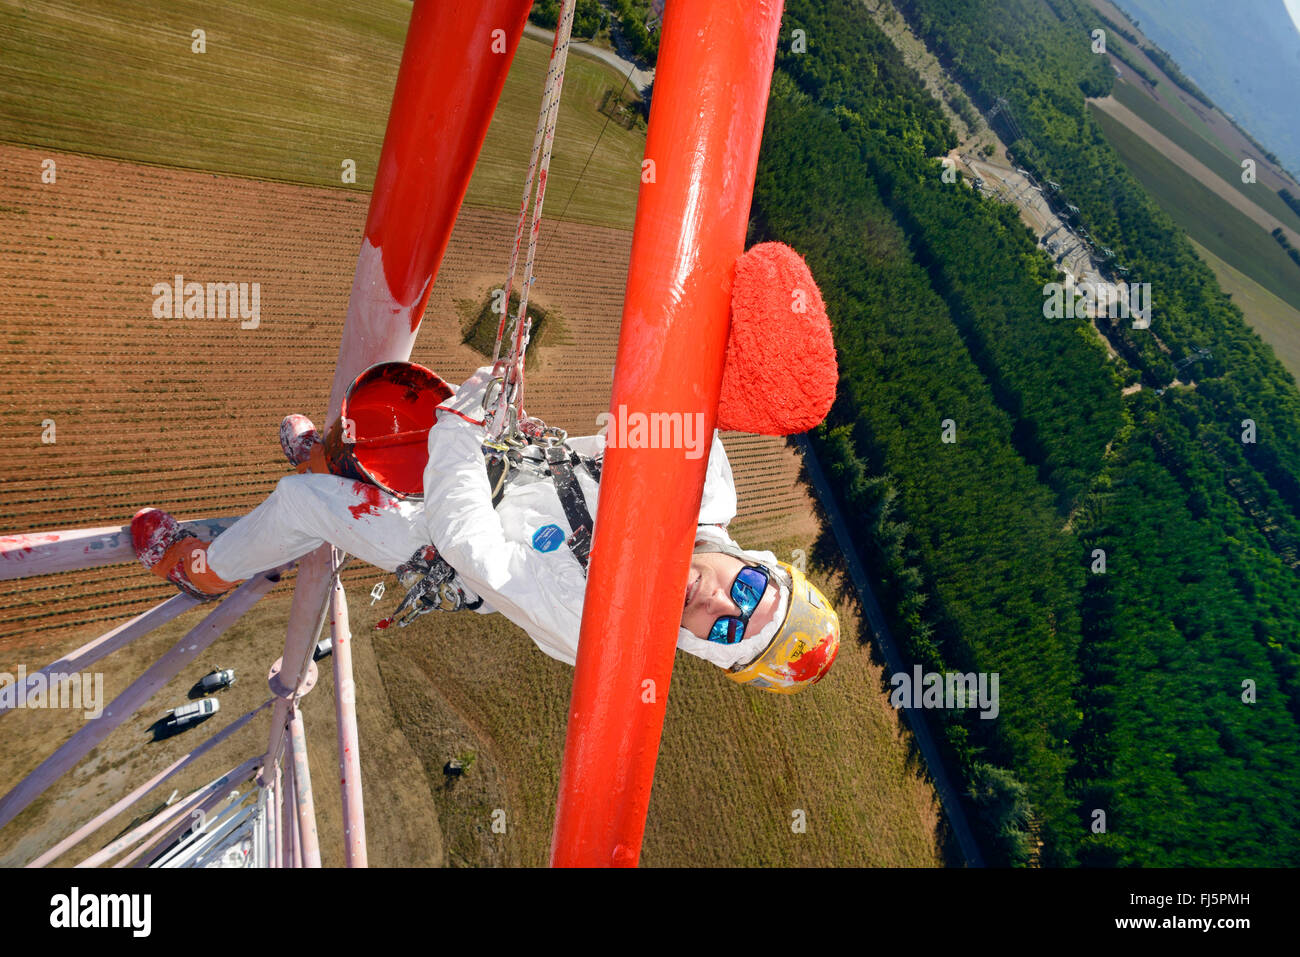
522,551
758,618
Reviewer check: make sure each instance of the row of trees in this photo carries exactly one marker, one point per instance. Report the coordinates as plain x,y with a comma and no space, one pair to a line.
631,18
588,17
1280,235
966,540
986,548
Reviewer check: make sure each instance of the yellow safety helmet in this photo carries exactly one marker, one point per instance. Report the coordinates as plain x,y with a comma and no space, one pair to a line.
804,647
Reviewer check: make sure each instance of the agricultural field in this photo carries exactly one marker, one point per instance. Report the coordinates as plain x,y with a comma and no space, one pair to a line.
1209,152
402,822
1277,323
184,414
1210,124
286,91
1207,217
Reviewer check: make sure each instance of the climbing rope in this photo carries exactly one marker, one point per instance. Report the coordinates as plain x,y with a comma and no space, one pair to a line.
506,423
514,440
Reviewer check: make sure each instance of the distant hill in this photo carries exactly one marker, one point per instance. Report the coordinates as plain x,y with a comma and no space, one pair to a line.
1248,62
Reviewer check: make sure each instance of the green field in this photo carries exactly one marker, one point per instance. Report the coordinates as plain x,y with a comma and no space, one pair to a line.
1207,218
1277,323
285,91
1209,151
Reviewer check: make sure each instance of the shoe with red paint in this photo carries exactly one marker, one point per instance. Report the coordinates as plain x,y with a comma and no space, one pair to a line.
162,546
297,436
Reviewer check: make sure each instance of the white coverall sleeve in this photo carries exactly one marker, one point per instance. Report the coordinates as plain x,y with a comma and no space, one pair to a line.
718,503
467,532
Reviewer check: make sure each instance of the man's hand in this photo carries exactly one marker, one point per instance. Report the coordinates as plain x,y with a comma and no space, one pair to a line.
468,400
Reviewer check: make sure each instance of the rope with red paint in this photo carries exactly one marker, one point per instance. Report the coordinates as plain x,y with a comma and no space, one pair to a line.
509,401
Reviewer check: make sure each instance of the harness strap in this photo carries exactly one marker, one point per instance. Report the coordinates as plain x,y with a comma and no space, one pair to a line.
573,502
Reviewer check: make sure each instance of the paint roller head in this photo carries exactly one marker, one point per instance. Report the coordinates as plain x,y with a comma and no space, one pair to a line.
780,371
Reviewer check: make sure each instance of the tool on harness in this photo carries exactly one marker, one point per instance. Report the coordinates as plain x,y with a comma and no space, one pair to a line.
431,585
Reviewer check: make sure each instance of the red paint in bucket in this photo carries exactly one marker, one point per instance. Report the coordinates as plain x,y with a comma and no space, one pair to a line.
391,407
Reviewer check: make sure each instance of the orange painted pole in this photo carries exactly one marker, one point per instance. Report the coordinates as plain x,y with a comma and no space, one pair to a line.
706,123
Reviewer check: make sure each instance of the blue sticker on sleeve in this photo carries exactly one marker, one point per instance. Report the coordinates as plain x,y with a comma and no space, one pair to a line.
548,538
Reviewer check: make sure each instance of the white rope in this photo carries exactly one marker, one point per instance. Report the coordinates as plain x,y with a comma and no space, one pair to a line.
509,401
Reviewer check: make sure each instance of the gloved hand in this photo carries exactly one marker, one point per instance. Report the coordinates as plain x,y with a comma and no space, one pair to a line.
468,400
432,585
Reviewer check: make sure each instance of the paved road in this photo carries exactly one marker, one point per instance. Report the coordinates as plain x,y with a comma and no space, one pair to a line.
893,660
640,78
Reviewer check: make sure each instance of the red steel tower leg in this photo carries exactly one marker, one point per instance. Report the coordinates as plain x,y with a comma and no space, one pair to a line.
454,65
706,122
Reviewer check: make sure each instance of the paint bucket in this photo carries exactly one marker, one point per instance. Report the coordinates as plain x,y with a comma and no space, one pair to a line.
382,433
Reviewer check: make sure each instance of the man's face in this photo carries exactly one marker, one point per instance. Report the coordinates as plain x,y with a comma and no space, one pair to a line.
708,595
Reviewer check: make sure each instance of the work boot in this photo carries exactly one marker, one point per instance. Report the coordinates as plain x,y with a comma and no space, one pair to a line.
175,554
297,436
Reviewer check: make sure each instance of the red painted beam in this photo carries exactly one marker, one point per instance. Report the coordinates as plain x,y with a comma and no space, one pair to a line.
706,123
454,65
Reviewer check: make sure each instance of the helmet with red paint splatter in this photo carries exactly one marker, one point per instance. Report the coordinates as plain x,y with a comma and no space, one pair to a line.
804,646
382,433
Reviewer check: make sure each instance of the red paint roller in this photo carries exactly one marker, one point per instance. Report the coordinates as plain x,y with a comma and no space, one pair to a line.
780,371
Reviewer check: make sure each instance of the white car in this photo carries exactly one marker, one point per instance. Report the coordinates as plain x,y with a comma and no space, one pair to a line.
188,714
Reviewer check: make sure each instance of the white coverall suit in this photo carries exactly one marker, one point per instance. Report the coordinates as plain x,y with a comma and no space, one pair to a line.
513,556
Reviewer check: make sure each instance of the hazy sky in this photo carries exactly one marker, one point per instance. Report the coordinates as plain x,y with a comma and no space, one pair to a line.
1293,8
1245,54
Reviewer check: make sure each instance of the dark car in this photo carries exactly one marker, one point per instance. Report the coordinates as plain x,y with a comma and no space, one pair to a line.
217,680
